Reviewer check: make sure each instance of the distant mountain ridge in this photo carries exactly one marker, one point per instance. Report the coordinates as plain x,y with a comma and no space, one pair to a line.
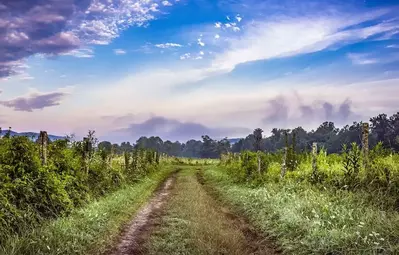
31,135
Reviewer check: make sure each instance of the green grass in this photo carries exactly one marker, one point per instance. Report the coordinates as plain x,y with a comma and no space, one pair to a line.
91,229
194,223
307,220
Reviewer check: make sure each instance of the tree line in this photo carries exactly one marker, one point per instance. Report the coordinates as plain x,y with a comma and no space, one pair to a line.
383,128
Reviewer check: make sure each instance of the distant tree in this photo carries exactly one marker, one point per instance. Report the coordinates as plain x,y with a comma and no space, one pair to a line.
192,149
380,128
394,131
223,146
238,146
258,139
105,146
126,147
209,147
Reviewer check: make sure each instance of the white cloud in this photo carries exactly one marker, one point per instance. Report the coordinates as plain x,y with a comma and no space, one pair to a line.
119,52
200,42
361,59
293,36
80,53
110,18
238,18
372,58
63,76
166,3
168,45
201,53
25,77
218,25
217,36
185,56
236,29
393,46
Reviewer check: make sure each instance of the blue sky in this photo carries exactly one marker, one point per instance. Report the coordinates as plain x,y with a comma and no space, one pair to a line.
180,69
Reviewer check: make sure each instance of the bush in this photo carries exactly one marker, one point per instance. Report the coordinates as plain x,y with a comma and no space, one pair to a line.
31,192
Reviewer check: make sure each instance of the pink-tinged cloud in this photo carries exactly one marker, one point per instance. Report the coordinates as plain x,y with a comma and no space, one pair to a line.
53,27
35,101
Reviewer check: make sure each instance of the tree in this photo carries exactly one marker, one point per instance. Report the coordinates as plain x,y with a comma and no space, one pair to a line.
105,146
209,148
126,147
223,146
380,127
238,146
258,139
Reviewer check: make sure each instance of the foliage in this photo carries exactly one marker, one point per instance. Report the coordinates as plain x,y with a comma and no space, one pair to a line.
344,171
75,173
305,219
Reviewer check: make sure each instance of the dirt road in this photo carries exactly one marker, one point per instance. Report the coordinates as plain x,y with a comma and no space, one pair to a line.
184,217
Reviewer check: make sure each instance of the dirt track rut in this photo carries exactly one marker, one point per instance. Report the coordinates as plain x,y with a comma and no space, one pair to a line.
137,232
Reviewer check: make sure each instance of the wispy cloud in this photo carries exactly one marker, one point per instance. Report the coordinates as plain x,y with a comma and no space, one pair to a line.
185,56
168,45
372,58
200,42
35,100
293,36
80,53
119,52
166,3
362,59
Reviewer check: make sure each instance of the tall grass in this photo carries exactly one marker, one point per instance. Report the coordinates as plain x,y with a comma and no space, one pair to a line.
89,230
308,220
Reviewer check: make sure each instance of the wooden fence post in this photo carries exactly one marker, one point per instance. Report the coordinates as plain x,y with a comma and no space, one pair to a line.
259,163
126,157
284,163
86,151
43,137
314,159
365,145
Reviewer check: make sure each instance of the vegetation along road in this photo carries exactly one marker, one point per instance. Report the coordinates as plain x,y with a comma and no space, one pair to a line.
69,197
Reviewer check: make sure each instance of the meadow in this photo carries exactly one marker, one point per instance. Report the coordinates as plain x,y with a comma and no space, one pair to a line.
316,203
75,197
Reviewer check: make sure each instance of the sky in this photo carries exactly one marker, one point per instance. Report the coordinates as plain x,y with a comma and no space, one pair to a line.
180,69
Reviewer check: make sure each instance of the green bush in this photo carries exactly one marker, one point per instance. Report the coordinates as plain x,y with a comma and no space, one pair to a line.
75,173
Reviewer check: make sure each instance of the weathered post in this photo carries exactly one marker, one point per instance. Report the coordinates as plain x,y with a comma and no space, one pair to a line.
314,159
259,162
365,146
284,163
157,157
86,153
126,157
43,137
